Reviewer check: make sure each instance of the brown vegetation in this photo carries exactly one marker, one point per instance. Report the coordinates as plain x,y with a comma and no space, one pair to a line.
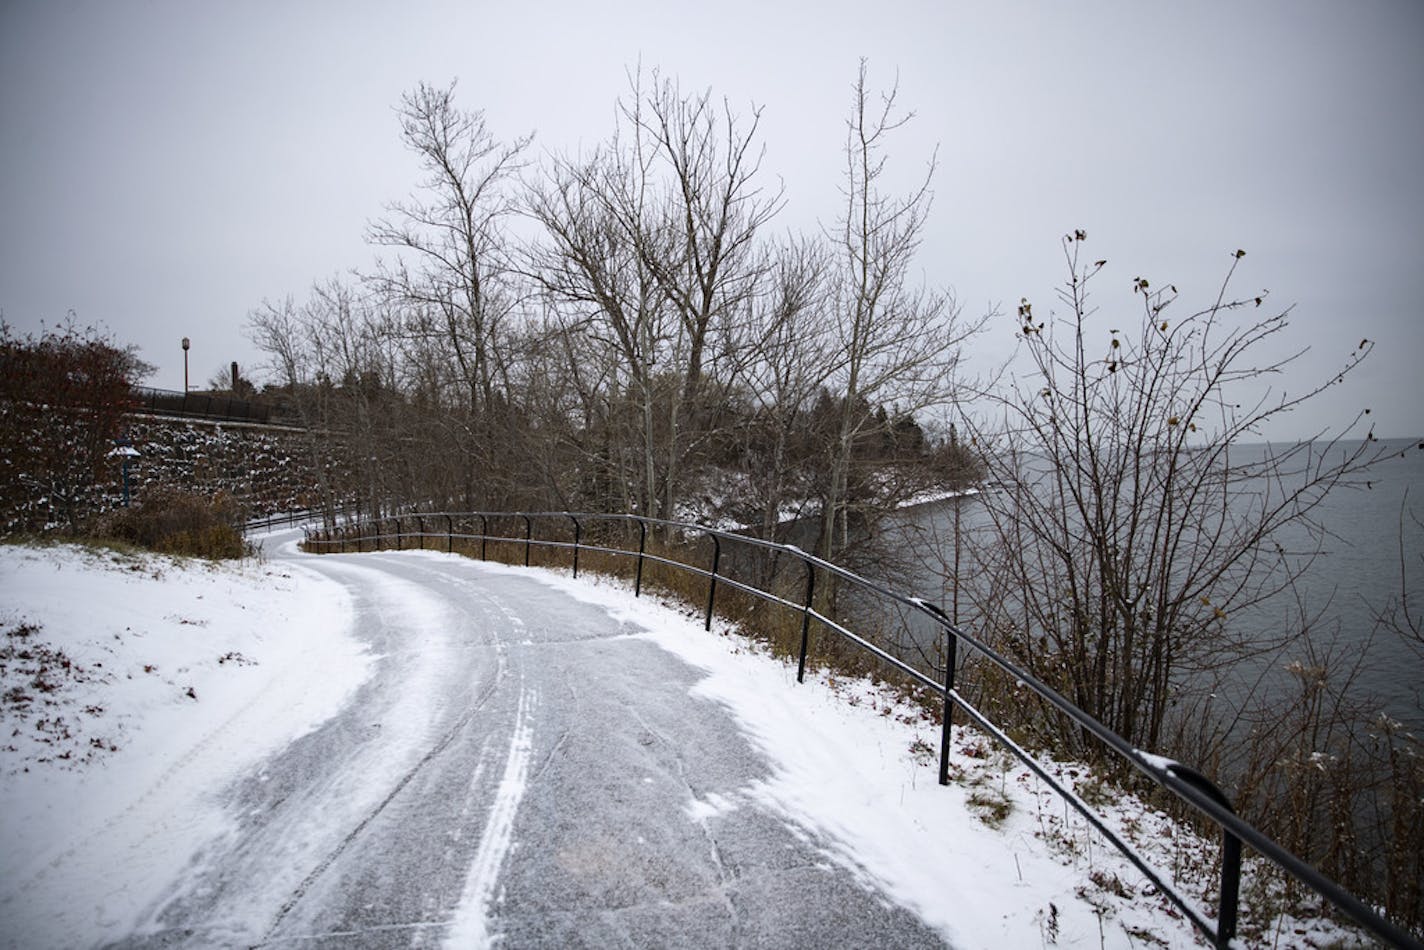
176,522
63,398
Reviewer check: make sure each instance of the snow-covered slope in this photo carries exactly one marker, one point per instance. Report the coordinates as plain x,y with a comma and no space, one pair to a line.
135,687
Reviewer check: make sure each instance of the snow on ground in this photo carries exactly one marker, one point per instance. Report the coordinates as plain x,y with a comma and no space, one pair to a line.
996,859
710,509
134,686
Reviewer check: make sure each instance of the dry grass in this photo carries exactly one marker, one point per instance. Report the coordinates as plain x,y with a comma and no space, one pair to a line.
175,522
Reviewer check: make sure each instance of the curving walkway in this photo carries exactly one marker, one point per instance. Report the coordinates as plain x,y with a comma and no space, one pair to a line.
519,769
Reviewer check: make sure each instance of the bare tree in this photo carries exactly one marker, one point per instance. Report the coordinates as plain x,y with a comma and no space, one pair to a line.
898,341
452,277
343,371
792,358
1132,522
451,241
650,255
618,327
708,270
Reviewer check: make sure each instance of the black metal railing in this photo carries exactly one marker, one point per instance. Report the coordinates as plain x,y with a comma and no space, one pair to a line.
1187,784
302,517
284,520
165,402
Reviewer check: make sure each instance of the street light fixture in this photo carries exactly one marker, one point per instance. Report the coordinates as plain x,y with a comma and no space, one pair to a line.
185,367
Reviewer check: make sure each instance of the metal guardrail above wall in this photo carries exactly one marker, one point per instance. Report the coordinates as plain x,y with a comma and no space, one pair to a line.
165,402
1187,784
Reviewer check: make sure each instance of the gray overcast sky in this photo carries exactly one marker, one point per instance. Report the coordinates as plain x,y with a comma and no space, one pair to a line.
168,165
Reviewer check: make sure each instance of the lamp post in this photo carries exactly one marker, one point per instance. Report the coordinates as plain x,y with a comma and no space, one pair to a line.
185,367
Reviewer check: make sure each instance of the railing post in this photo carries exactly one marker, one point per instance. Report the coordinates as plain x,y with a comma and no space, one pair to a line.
642,549
951,651
806,620
449,535
484,537
420,531
1230,888
528,536
712,581
577,532
1226,913
397,521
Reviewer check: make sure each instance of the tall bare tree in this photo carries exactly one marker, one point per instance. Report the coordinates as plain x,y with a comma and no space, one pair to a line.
650,253
792,356
617,323
898,340
450,238
451,273
715,206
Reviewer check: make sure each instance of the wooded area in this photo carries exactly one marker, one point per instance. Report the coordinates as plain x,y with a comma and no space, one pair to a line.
622,331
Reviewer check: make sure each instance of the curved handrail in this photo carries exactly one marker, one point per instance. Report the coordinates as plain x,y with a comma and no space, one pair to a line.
1185,783
301,517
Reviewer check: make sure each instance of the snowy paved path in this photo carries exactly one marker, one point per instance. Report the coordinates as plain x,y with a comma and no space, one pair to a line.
520,766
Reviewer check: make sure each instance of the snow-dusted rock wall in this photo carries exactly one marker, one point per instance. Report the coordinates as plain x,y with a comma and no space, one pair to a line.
267,468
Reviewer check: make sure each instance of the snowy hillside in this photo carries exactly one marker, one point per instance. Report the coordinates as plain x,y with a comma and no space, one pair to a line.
134,688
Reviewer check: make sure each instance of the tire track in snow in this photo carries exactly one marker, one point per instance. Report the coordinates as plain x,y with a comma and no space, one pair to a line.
460,724
375,813
469,927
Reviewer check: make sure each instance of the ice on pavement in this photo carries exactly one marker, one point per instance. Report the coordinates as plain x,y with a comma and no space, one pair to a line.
849,767
269,655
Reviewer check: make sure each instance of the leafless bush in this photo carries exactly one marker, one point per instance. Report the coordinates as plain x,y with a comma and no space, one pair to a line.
175,522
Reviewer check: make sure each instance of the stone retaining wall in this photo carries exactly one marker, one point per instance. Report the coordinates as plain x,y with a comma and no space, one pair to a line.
268,469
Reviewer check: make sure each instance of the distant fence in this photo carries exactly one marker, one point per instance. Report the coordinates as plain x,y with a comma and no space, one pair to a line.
165,402
571,531
301,518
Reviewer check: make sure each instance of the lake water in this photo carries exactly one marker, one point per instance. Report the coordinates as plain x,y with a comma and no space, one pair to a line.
1371,555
